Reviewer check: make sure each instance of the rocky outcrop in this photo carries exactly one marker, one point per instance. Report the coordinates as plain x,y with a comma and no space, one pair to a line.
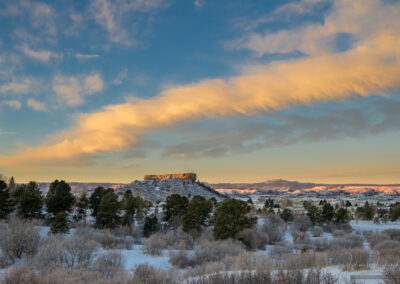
185,176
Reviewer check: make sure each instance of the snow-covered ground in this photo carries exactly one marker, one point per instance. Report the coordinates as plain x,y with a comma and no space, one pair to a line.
361,225
135,257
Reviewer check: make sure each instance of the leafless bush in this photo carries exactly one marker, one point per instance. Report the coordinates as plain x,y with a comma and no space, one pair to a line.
350,259
394,234
146,274
374,239
338,233
157,242
389,256
309,277
181,259
301,223
109,241
274,227
137,234
316,232
253,239
392,274
387,244
300,237
21,274
281,249
330,227
217,250
347,241
303,260
19,239
110,264
320,244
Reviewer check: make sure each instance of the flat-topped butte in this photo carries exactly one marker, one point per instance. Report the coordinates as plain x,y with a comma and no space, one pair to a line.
184,176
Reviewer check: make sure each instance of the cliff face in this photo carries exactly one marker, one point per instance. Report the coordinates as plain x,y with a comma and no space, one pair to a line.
184,176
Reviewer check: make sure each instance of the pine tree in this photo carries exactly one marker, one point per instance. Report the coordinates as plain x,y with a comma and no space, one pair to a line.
11,186
81,207
60,224
133,205
231,218
174,209
287,215
30,201
95,199
197,213
108,215
59,198
150,226
6,204
328,212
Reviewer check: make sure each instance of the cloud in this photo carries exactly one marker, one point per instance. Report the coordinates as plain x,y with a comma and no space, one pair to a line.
199,3
17,87
369,68
6,132
13,104
72,90
41,55
36,105
86,56
109,15
40,15
345,17
120,77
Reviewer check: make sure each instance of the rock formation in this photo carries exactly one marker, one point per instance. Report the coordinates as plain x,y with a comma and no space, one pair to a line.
185,176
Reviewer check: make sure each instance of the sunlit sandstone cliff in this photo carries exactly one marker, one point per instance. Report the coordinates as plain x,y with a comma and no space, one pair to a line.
183,176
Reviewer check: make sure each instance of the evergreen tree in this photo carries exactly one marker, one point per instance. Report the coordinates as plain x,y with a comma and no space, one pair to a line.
60,224
150,226
133,205
108,215
59,198
314,214
95,199
287,215
12,186
231,218
328,212
394,212
368,211
174,209
342,216
6,204
197,213
81,207
269,203
30,201
348,203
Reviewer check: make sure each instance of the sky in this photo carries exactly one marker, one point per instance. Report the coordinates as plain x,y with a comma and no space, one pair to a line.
240,91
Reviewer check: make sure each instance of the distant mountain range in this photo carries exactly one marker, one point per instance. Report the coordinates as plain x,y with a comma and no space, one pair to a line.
294,187
154,189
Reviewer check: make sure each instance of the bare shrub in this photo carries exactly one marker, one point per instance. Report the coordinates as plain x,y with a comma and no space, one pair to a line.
300,237
217,250
137,234
78,252
303,260
392,274
180,259
110,264
338,233
21,274
316,232
347,241
320,244
146,274
394,234
350,259
234,278
374,239
274,227
387,244
389,256
330,227
253,239
281,249
109,241
309,277
19,239
50,255
248,261
157,242
301,223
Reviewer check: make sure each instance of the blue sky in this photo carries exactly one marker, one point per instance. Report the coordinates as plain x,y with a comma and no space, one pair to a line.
107,90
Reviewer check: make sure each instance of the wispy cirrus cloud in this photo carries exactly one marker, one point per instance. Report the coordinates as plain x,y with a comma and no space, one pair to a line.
36,105
13,104
110,15
42,55
22,86
72,90
370,67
